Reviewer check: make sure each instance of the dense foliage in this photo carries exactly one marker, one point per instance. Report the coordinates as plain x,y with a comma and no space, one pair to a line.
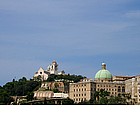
104,98
74,78
22,87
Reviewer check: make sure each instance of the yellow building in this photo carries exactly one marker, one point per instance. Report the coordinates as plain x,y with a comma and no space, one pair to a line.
103,80
82,91
132,86
113,84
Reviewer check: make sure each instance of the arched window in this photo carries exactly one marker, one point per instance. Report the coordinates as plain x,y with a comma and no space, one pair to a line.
123,89
119,89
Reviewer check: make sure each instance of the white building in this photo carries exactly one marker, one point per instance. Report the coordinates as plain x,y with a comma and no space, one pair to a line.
49,94
42,74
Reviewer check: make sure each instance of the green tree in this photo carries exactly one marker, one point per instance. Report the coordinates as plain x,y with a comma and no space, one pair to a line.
67,101
22,87
5,97
104,98
30,96
74,78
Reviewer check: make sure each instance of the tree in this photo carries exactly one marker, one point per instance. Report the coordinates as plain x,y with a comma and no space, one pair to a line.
30,96
55,90
84,103
104,98
68,77
67,101
4,97
22,87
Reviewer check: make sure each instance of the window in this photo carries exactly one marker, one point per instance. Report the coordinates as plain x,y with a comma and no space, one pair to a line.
79,94
139,91
123,89
119,89
74,95
40,72
85,94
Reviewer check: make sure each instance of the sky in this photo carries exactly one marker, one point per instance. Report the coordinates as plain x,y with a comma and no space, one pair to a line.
78,34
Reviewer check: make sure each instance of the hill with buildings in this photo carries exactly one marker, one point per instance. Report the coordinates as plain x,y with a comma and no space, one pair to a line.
56,87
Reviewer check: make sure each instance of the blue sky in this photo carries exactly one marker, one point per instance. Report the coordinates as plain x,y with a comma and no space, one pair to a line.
78,34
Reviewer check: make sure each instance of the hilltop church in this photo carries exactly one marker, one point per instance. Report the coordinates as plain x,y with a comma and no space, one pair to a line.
85,89
51,69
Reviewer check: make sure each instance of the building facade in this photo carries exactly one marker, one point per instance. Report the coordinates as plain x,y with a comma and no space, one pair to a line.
103,80
49,94
85,89
82,91
59,85
43,75
106,81
132,86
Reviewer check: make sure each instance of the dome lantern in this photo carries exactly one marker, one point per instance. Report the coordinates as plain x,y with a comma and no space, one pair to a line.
103,66
103,74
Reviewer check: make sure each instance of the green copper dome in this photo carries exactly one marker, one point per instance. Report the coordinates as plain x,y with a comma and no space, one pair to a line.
103,74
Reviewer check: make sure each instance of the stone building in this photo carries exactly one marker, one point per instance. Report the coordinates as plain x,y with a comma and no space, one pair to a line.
49,95
59,85
43,75
113,84
132,86
103,80
82,91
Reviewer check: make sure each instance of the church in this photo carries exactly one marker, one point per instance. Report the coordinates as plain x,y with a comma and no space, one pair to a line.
103,80
43,75
85,89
